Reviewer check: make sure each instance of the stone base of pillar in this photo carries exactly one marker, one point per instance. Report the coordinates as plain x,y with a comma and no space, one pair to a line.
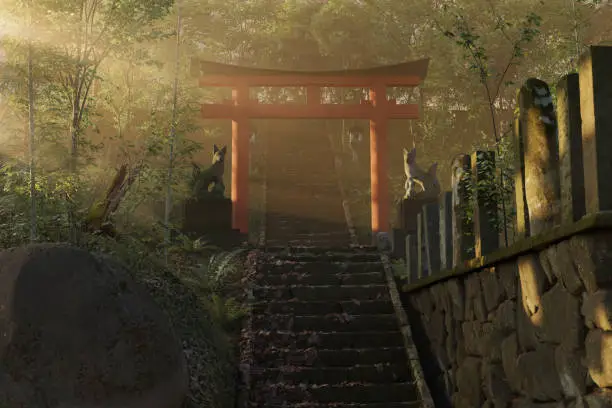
407,212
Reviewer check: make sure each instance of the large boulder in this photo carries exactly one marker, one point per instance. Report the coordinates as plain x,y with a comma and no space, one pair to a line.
77,332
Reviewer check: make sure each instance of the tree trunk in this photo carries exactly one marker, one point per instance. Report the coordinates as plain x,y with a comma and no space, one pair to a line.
168,205
99,215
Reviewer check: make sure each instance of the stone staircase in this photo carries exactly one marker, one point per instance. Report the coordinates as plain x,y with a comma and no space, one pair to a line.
304,203
324,333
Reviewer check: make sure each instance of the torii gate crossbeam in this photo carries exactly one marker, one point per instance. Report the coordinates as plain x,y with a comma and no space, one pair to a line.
378,110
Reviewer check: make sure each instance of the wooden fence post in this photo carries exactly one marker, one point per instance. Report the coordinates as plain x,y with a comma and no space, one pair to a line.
486,217
520,200
446,230
595,110
462,231
541,155
431,214
571,168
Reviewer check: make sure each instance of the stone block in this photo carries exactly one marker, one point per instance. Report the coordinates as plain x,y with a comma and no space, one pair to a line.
598,349
478,336
592,255
505,317
559,318
598,399
474,299
457,297
597,309
533,282
491,288
547,267
495,385
563,266
508,276
509,353
540,378
435,328
525,329
572,373
468,381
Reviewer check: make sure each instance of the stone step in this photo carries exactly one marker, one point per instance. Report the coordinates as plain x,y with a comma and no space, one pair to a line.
316,250
309,293
329,257
413,404
327,340
283,266
321,278
339,322
362,393
322,308
324,242
373,374
271,357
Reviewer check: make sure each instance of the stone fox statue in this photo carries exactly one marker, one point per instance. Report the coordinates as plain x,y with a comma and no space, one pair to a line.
210,180
427,180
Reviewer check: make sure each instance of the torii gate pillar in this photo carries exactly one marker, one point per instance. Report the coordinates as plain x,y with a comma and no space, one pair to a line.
240,160
379,165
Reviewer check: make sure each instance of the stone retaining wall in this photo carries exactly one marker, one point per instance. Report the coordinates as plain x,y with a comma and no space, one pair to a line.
529,327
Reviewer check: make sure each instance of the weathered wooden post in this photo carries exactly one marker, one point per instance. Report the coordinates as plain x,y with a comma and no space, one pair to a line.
421,259
541,153
431,218
463,239
595,110
446,230
571,168
520,201
412,257
486,217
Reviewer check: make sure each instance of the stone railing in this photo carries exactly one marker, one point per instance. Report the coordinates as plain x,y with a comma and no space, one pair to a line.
529,325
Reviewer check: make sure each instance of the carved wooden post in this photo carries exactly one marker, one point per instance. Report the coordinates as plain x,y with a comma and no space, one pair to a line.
463,239
539,127
431,218
486,236
595,109
571,168
446,230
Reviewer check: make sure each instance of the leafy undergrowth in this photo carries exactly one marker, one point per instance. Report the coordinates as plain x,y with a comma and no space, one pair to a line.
201,296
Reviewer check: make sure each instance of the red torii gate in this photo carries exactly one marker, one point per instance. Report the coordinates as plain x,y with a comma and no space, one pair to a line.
377,109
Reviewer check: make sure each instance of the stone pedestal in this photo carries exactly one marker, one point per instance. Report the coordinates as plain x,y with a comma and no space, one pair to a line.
207,215
408,209
406,223
210,220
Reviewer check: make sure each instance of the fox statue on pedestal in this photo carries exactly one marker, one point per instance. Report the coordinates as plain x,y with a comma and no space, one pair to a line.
427,180
209,182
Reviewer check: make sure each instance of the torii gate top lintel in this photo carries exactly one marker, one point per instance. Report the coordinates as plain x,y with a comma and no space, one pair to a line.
210,73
